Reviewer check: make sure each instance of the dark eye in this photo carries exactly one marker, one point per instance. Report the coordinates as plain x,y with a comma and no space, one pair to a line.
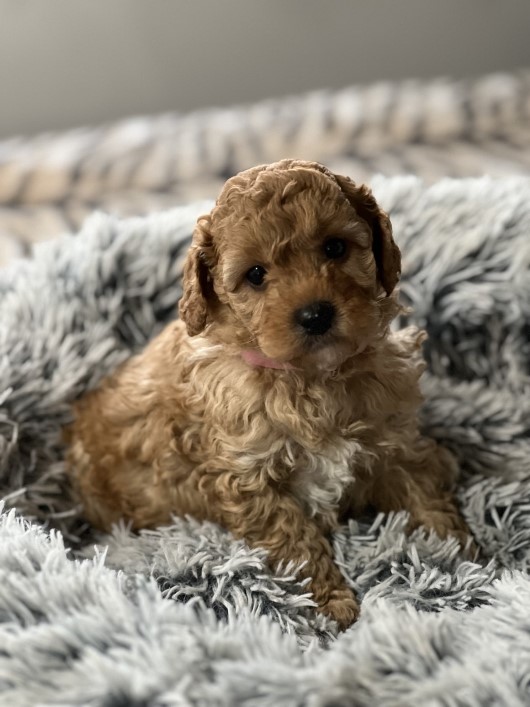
256,275
334,248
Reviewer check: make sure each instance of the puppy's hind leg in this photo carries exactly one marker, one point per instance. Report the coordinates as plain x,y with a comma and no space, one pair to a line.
420,481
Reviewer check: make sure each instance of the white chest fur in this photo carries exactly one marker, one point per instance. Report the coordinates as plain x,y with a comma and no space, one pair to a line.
320,479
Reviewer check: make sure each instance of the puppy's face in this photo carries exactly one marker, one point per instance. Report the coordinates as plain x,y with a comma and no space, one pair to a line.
292,263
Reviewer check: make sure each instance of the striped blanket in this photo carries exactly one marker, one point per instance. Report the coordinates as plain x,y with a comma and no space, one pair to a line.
433,129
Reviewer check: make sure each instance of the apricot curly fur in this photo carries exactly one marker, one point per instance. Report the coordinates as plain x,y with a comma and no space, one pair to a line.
278,455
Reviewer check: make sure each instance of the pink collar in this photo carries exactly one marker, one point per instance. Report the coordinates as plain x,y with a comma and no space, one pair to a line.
259,360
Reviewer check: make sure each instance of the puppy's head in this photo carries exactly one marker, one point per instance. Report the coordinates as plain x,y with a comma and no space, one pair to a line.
295,263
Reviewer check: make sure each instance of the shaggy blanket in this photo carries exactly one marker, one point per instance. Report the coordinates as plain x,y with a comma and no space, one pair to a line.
185,615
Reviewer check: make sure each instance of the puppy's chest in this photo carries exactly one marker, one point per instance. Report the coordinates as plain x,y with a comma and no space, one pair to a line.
314,441
327,453
319,479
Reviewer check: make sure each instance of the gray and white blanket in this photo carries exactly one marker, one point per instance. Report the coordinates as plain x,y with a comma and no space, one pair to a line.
185,615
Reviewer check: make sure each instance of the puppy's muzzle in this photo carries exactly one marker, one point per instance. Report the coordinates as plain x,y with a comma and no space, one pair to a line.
315,318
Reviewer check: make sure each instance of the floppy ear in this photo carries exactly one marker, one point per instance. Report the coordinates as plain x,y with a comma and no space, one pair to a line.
197,286
386,253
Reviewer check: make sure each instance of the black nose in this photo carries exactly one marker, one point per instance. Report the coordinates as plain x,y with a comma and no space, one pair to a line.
316,318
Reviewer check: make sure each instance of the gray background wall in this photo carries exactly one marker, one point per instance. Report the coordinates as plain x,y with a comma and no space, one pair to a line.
65,63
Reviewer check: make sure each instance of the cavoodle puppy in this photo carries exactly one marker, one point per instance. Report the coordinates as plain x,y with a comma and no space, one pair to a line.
280,402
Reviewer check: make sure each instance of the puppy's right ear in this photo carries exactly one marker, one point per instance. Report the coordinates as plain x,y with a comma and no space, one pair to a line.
197,286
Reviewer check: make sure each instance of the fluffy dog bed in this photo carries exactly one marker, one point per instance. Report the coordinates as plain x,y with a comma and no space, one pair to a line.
187,616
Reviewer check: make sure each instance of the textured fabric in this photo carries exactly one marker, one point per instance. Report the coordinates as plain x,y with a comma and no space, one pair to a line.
187,615
433,129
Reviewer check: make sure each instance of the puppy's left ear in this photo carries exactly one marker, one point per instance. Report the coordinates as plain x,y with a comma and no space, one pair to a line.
386,253
197,286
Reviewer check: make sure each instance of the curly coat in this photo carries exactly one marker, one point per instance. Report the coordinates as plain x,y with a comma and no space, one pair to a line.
239,414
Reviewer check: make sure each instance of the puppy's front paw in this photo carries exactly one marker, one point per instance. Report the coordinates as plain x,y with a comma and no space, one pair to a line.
469,549
342,607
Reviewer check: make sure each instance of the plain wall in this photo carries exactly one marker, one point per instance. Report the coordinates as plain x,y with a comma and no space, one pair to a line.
65,63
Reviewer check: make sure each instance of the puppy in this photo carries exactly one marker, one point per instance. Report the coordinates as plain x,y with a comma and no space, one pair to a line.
280,402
